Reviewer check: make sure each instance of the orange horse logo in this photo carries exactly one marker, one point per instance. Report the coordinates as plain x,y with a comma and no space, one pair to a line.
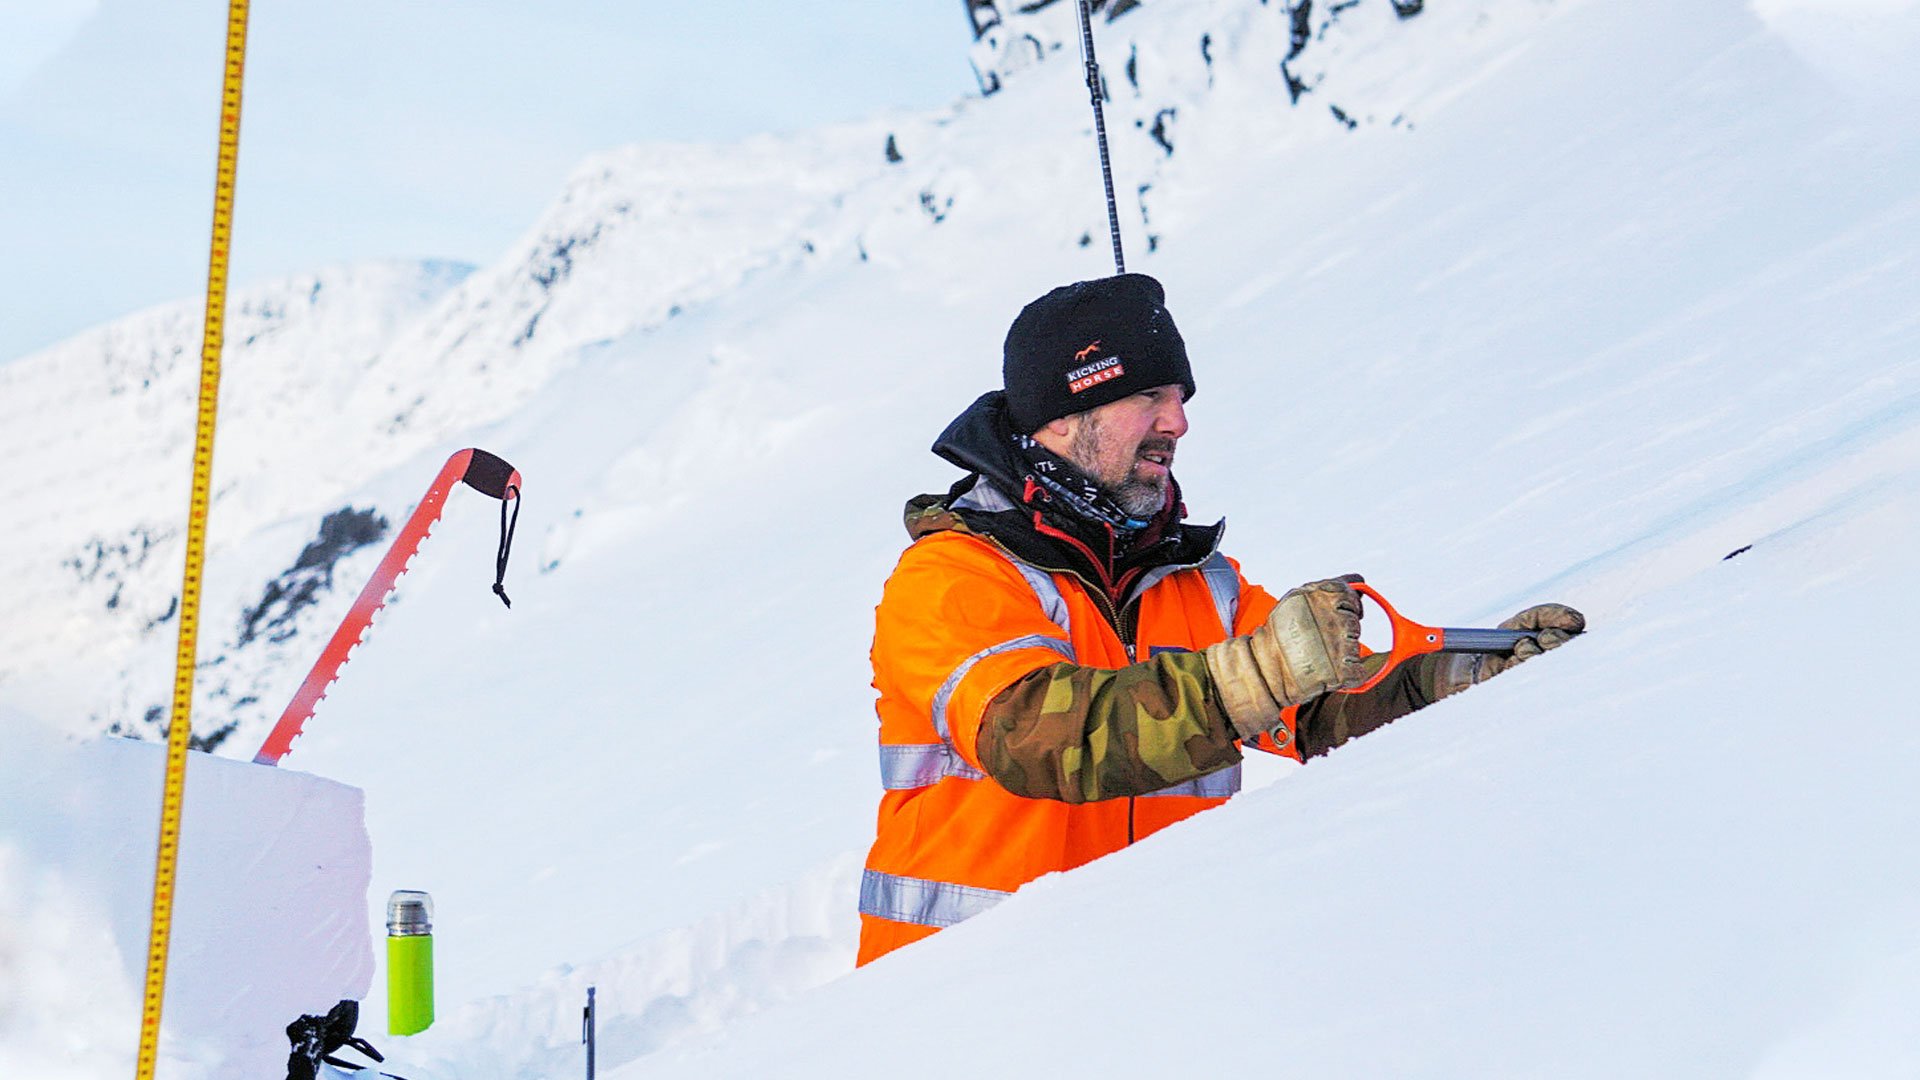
1086,352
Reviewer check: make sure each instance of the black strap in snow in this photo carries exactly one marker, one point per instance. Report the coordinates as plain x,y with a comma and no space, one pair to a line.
315,1038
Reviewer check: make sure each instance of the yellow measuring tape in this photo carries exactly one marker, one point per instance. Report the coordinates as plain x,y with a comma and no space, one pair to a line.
180,728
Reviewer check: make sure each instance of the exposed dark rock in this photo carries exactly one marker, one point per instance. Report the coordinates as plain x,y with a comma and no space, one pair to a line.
110,560
556,263
1160,132
983,15
207,742
1296,86
342,533
165,617
110,564
893,151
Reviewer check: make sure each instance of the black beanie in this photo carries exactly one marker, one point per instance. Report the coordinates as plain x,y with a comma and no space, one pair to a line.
1090,343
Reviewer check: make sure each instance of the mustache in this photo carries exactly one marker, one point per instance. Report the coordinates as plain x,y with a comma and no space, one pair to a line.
1162,444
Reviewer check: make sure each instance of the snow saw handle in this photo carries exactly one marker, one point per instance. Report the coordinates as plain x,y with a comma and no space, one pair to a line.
490,475
1411,639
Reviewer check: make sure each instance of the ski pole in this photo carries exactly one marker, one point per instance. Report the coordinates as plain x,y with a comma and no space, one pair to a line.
586,1030
1411,639
1100,132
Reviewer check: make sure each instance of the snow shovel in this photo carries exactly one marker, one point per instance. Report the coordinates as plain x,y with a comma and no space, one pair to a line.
1411,639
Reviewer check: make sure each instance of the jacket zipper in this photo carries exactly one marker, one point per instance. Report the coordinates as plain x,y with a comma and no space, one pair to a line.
1123,628
1129,630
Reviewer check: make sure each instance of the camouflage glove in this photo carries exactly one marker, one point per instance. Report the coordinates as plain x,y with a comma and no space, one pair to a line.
1309,645
1556,623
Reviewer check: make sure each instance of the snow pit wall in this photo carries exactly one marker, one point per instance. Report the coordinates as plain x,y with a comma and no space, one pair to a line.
270,913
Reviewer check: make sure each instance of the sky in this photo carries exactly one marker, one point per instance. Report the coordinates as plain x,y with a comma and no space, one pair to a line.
387,128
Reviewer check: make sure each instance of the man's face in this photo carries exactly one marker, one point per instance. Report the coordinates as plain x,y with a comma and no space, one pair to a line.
1126,446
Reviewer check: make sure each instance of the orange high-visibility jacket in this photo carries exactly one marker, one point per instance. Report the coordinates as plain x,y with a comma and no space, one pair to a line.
961,620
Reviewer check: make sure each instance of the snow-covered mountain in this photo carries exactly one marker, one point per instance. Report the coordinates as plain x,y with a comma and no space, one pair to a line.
330,380
1496,301
334,378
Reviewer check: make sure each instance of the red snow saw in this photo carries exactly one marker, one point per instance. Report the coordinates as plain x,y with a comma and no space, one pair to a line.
477,469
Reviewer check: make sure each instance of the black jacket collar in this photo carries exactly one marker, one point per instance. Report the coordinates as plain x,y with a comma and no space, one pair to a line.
1000,499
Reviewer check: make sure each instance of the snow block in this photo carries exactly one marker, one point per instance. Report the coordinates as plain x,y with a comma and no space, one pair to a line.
270,912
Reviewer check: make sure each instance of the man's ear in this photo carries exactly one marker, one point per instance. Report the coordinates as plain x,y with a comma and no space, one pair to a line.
1055,435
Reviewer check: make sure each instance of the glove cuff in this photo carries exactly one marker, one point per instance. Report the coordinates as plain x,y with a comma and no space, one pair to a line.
1449,673
1241,688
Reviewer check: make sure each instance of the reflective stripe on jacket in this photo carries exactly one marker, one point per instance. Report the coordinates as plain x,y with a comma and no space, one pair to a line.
960,622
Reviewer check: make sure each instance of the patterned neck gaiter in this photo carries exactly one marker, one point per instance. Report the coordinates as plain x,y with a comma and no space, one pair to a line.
1080,492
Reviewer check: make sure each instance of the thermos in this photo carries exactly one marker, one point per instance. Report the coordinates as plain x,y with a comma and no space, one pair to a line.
409,962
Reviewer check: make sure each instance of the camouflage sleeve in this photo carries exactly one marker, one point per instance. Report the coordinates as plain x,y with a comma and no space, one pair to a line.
1331,719
1082,734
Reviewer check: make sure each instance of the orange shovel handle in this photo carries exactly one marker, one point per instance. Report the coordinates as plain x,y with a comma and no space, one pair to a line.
1410,639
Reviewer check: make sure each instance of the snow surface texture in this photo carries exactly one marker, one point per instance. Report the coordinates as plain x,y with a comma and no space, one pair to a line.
1510,301
1866,46
268,919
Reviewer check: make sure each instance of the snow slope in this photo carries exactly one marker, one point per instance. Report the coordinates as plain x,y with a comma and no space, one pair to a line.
1611,864
1577,299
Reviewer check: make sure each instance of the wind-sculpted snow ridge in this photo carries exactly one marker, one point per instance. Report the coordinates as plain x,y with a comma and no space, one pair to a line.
639,235
1863,46
682,985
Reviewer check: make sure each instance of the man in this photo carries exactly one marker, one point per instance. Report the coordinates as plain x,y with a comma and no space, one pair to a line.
1063,667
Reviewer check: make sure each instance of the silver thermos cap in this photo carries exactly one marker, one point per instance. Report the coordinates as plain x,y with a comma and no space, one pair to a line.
409,914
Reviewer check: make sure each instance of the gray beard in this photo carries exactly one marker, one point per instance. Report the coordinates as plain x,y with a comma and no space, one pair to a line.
1139,498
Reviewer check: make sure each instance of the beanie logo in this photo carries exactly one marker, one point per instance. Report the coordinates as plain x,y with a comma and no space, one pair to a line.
1082,378
1090,375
